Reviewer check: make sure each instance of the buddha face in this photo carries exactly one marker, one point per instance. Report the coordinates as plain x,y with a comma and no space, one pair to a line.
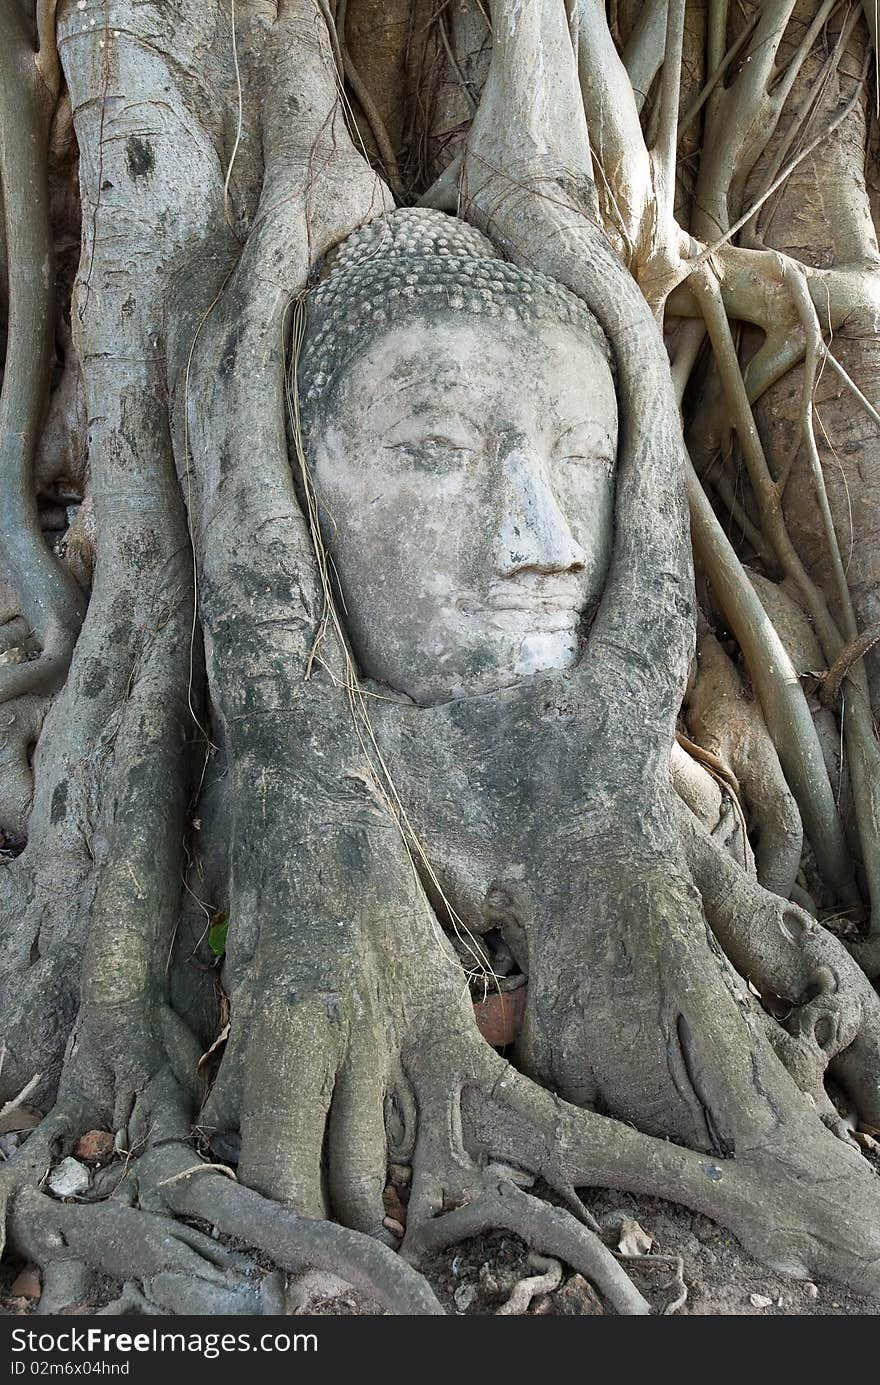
465,473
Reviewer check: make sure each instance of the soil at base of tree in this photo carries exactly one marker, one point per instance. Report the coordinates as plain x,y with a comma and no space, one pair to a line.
476,1276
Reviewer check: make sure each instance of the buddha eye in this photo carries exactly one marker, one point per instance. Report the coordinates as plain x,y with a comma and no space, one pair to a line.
591,459
435,441
584,444
433,447
445,442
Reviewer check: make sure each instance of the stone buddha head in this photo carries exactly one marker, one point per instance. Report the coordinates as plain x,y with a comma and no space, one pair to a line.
460,424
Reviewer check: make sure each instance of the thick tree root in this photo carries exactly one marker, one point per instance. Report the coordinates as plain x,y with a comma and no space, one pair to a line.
297,1243
48,596
471,1108
835,1017
20,725
550,1230
180,1269
175,1267
800,1222
352,1034
723,722
29,1165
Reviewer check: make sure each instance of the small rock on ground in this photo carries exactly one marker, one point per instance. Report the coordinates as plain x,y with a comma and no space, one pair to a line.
95,1144
27,1284
68,1178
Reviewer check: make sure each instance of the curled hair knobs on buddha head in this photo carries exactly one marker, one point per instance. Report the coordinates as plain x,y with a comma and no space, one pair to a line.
418,261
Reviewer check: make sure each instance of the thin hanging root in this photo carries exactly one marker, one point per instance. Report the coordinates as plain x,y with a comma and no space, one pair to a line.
804,115
786,173
50,600
666,144
782,699
829,690
295,1242
844,376
380,134
812,791
550,1230
720,482
807,312
442,19
702,97
863,757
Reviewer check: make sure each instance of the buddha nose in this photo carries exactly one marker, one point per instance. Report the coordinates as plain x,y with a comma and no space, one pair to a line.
534,532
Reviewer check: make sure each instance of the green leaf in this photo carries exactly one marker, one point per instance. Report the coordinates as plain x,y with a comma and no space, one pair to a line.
217,934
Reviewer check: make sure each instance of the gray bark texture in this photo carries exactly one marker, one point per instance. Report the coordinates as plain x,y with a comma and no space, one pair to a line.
248,897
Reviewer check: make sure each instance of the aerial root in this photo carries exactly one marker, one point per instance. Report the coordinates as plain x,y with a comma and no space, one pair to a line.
553,1231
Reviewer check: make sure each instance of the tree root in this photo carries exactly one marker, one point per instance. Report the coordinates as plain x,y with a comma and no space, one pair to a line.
49,597
19,727
548,1279
172,1264
181,1270
673,1262
343,997
799,1222
296,1243
794,1223
30,1163
835,1018
550,1230
723,722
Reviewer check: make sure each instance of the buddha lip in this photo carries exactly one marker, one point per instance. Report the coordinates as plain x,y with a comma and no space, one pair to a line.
544,597
556,609
540,610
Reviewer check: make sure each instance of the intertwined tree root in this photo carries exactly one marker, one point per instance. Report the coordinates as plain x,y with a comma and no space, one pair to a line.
186,756
796,1196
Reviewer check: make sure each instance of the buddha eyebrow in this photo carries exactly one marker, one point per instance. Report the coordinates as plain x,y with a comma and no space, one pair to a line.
452,377
449,380
434,417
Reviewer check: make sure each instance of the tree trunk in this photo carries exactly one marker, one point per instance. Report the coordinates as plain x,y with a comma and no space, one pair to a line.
249,896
